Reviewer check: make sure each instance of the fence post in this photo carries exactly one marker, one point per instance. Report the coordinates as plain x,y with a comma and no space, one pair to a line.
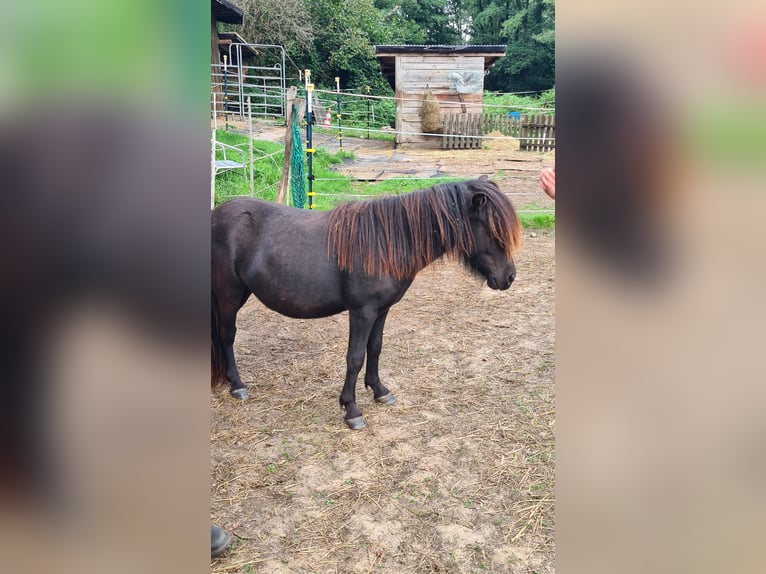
250,141
240,81
212,166
283,182
340,122
368,112
309,139
225,97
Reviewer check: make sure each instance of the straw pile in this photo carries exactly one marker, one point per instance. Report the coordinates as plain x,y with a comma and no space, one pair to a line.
431,120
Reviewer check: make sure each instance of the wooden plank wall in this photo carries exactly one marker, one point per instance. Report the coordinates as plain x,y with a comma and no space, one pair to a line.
416,71
501,123
538,133
462,131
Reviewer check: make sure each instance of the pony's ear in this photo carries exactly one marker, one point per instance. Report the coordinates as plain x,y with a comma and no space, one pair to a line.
479,199
483,177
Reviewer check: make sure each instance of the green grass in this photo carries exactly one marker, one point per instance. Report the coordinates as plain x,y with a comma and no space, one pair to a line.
356,133
538,220
332,187
358,111
521,102
266,172
531,220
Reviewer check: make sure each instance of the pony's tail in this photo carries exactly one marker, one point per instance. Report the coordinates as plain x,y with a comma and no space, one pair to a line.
217,359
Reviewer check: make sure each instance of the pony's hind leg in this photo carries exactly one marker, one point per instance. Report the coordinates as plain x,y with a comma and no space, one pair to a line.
360,325
371,378
227,329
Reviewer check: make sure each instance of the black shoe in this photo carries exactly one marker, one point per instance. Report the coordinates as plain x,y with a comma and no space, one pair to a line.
219,540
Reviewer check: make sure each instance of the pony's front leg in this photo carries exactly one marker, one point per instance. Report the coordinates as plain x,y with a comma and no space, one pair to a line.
371,377
360,324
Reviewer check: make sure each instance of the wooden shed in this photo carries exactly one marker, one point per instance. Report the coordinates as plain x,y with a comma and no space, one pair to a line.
220,11
454,74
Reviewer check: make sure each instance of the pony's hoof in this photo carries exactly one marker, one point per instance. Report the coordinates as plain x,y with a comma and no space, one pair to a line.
356,423
240,394
387,399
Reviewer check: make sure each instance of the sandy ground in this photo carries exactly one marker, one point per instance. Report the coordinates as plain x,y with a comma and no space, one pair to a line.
457,477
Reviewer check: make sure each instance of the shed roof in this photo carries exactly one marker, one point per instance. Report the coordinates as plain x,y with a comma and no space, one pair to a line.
386,54
226,38
226,11
440,49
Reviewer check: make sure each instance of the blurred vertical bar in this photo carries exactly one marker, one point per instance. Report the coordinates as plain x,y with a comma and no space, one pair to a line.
661,141
104,247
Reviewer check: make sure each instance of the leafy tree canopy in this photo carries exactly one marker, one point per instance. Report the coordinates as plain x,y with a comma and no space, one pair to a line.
336,37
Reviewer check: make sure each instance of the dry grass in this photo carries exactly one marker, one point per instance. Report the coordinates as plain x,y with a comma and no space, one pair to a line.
457,477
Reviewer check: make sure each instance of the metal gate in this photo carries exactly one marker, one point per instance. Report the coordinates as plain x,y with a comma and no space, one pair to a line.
255,70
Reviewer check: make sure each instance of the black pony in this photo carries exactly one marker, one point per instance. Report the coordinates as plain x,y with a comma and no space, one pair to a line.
360,257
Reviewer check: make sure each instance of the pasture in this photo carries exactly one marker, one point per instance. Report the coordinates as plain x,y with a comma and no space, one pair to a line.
457,477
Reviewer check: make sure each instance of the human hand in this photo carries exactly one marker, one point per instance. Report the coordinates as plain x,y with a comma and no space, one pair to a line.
548,181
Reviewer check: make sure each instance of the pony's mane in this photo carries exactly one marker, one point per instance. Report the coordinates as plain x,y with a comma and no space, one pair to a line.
399,235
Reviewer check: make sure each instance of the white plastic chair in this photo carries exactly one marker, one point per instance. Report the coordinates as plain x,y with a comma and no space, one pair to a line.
227,163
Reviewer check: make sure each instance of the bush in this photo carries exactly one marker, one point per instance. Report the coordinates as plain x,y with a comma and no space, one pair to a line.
520,103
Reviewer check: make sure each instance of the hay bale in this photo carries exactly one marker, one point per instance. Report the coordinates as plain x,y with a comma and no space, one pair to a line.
431,117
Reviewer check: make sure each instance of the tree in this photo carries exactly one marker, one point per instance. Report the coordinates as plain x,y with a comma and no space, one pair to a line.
528,28
283,22
427,21
345,32
336,37
404,29
530,60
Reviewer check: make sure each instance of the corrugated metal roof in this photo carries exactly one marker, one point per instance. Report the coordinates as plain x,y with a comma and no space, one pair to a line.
439,48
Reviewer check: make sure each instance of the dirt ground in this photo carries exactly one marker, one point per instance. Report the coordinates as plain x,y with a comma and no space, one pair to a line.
457,477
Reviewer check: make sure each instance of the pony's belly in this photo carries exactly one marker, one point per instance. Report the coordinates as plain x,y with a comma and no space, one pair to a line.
304,306
303,286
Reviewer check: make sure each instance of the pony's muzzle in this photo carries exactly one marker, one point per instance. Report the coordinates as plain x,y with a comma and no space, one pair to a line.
509,278
501,284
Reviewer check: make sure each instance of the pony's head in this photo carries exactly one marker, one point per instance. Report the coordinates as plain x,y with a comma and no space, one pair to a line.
496,234
399,235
